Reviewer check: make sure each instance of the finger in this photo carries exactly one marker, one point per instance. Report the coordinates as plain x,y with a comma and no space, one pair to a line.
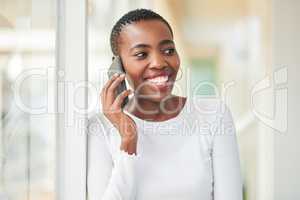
105,87
109,82
121,97
111,89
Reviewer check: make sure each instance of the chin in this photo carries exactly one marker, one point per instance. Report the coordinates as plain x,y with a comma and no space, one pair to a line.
156,91
156,96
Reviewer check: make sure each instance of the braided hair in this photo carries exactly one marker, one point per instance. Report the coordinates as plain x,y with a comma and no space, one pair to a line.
130,17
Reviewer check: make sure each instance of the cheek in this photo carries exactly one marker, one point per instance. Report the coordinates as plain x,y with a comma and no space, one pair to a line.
134,74
175,62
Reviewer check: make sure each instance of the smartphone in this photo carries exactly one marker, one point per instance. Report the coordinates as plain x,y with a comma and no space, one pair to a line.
117,67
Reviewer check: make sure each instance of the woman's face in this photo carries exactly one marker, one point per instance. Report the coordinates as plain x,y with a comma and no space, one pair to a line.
149,57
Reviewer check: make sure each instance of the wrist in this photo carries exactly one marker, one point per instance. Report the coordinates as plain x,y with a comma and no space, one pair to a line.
129,145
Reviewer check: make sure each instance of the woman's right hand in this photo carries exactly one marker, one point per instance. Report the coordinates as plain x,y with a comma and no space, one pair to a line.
111,106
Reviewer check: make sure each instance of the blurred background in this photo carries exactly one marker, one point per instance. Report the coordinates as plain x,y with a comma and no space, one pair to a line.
245,47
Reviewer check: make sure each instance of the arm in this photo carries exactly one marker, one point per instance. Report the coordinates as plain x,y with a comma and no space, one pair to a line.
226,164
108,180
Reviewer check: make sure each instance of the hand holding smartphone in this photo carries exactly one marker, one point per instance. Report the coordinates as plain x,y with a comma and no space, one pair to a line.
114,97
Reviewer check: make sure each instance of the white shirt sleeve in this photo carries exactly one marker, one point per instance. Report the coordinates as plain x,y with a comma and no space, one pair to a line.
226,164
107,180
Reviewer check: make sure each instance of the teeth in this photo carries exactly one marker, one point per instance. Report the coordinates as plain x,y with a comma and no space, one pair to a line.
159,79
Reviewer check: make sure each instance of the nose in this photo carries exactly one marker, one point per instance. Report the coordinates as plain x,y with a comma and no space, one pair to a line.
157,61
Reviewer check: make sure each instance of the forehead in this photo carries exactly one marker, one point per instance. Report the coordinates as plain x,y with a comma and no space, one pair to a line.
146,32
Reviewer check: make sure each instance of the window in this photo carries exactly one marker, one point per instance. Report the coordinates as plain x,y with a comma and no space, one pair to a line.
27,141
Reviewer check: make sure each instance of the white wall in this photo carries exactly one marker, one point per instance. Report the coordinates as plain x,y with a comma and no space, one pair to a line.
286,51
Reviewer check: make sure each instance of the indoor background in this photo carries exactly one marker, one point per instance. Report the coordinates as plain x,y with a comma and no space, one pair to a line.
245,46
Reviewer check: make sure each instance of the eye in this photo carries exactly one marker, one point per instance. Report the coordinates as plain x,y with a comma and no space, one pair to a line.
169,51
140,55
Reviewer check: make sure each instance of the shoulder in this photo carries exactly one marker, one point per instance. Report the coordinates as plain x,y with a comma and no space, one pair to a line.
208,106
95,127
98,125
212,112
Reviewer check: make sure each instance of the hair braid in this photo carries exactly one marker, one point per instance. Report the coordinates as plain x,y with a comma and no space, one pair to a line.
130,17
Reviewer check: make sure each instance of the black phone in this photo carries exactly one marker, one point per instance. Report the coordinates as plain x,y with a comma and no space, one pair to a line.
117,67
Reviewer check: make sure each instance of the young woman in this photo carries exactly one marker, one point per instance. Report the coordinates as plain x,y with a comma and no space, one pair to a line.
159,146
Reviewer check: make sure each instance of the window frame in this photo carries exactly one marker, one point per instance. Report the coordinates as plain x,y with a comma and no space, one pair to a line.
71,75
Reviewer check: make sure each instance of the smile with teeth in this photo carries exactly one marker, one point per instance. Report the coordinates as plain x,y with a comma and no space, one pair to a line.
159,80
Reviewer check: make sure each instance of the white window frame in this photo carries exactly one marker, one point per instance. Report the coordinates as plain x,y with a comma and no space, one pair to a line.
71,74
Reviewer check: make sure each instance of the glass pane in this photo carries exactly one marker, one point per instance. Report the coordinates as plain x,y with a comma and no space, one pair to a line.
27,135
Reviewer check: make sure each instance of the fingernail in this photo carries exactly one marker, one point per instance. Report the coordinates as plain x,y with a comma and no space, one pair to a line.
122,75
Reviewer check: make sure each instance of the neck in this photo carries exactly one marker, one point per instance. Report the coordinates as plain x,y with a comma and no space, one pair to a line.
149,109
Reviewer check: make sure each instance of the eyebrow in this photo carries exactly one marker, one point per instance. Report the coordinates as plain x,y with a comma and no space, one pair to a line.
163,42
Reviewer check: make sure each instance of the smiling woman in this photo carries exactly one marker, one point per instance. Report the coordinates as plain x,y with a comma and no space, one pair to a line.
149,56
159,146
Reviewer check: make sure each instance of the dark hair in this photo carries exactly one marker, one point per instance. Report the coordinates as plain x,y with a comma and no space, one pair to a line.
130,17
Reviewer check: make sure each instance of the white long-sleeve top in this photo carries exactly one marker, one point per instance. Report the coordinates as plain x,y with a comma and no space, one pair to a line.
193,156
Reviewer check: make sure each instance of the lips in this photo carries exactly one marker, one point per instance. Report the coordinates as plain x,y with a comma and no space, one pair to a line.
158,80
159,74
